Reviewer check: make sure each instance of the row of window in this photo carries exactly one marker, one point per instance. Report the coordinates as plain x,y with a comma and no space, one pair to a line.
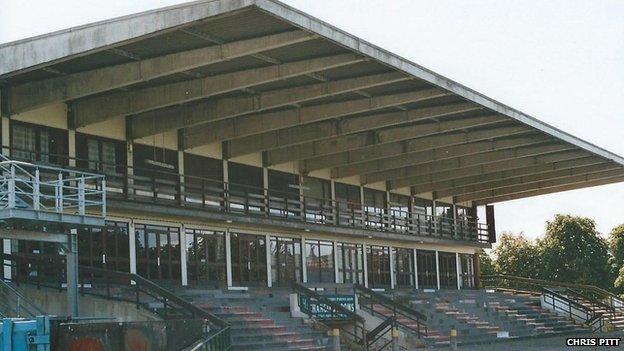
159,257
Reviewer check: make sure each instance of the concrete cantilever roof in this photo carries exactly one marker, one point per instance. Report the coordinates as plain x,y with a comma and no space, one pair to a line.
312,87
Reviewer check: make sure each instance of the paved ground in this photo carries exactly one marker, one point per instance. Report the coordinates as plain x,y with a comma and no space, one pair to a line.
544,344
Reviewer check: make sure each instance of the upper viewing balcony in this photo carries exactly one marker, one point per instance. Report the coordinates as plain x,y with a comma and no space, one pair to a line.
281,201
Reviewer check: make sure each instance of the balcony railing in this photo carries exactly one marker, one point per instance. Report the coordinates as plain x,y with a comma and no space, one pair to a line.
170,188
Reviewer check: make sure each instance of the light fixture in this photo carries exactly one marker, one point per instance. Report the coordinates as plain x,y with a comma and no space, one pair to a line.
228,221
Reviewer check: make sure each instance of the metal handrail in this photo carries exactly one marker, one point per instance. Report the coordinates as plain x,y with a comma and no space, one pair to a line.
591,314
397,308
22,303
382,329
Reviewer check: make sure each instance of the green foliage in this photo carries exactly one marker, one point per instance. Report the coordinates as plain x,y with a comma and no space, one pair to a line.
515,255
616,244
487,264
573,251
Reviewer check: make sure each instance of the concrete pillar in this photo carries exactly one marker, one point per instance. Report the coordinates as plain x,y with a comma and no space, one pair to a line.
415,269
437,269
181,189
6,151
336,272
183,255
265,185
365,261
304,267
132,247
72,273
226,177
332,188
455,233
228,258
392,268
267,239
477,270
458,269
129,165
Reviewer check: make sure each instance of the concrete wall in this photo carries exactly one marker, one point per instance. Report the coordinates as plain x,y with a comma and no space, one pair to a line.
55,302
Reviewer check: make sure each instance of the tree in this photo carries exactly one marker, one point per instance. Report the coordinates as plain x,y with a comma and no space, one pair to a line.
487,264
515,255
616,244
573,251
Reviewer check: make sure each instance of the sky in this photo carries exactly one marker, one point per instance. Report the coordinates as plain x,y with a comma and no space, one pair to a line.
561,61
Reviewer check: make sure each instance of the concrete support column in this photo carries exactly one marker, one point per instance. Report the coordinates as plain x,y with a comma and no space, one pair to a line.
392,268
362,205
332,188
265,185
336,272
477,270
335,334
365,261
434,218
129,169
437,269
183,255
226,177
132,247
268,260
458,269
6,151
455,233
304,267
181,189
416,268
72,273
228,258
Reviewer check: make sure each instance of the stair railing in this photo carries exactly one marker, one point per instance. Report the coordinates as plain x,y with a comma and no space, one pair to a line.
573,309
331,314
13,304
133,288
367,299
376,336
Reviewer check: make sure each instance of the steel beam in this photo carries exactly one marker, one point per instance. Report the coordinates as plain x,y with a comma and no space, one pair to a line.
31,95
550,190
449,180
369,153
484,186
96,109
462,162
33,235
208,118
414,158
270,133
510,190
351,125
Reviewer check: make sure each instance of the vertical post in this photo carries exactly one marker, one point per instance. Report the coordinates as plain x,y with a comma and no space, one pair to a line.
228,258
265,190
335,333
181,189
362,208
334,204
6,151
36,191
415,268
81,196
437,257
455,232
183,255
129,167
72,273
392,267
11,189
365,261
132,247
304,267
268,261
458,269
71,135
59,193
103,185
226,179
477,271
396,346
336,273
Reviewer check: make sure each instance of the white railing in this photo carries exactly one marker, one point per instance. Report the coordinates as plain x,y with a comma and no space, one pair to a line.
35,187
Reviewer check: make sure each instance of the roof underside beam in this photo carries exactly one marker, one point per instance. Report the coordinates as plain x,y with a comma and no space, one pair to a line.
574,179
549,190
266,135
414,158
527,179
161,120
377,151
96,109
474,175
31,95
444,172
462,162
